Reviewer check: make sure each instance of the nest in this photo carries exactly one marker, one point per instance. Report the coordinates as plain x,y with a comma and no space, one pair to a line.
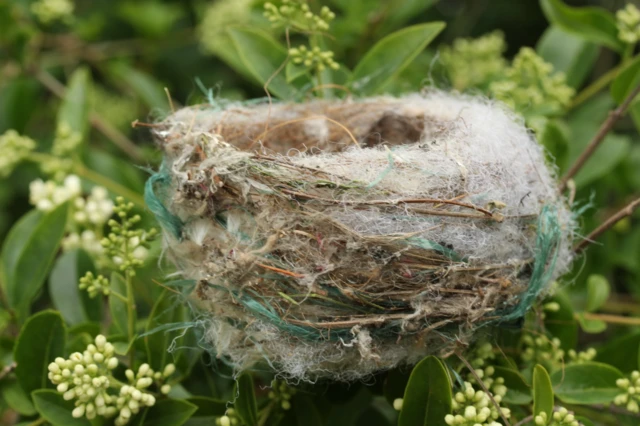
338,238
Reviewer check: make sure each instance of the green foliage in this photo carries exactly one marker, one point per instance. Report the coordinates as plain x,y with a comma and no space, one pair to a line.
427,398
75,75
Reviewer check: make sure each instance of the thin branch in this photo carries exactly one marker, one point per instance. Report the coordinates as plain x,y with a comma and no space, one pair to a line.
524,421
484,388
606,127
115,135
624,212
609,319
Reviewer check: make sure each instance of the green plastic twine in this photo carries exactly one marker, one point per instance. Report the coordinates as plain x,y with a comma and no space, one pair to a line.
546,255
167,220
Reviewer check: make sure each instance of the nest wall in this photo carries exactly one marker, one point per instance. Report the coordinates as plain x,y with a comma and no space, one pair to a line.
338,238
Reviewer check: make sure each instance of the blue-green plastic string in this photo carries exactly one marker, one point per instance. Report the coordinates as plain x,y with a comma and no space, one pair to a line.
546,255
156,185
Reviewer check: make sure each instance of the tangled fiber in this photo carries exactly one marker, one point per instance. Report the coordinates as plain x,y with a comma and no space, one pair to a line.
338,238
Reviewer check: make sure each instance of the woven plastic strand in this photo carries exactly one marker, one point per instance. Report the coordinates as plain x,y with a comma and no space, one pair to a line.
167,220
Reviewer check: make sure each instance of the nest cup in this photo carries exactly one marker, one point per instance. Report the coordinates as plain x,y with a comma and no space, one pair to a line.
339,238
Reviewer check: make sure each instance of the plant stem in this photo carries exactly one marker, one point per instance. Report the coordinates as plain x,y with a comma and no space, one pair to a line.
117,137
119,296
83,171
37,422
131,309
614,116
265,414
595,87
610,319
524,421
624,212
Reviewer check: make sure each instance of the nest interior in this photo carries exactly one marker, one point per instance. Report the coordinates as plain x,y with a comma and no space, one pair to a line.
340,238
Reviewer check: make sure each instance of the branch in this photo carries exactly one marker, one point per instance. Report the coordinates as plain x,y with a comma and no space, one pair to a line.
606,127
525,421
624,212
117,137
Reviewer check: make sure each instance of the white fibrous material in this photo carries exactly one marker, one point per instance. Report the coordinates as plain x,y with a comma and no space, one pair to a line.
339,238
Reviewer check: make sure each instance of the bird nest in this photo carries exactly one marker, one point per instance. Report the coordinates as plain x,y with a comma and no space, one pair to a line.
338,238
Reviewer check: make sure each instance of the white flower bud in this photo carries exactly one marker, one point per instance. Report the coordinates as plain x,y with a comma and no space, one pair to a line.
62,387
113,363
136,394
144,382
169,370
92,369
100,341
449,419
225,421
165,389
470,412
397,404
125,413
78,411
54,368
68,395
129,375
143,370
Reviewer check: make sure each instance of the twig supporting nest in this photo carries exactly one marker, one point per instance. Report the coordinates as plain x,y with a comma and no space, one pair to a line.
339,238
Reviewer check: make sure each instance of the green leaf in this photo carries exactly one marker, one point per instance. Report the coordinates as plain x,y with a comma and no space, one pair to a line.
598,290
555,139
165,311
74,110
118,307
294,71
589,23
427,398
264,58
246,404
518,391
41,340
54,409
391,55
613,149
169,412
306,411
27,254
18,102
74,304
569,54
591,326
621,353
542,392
626,80
208,407
586,383
16,398
562,323
145,86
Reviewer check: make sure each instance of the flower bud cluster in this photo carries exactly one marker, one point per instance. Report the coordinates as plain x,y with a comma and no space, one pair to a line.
94,285
631,392
481,353
14,149
48,195
230,418
313,58
134,396
628,22
86,240
49,11
297,14
581,357
66,140
474,407
474,63
541,350
85,378
125,245
561,417
530,86
95,210
494,384
281,393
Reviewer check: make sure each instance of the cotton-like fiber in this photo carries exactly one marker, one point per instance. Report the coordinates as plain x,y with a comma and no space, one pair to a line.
338,238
